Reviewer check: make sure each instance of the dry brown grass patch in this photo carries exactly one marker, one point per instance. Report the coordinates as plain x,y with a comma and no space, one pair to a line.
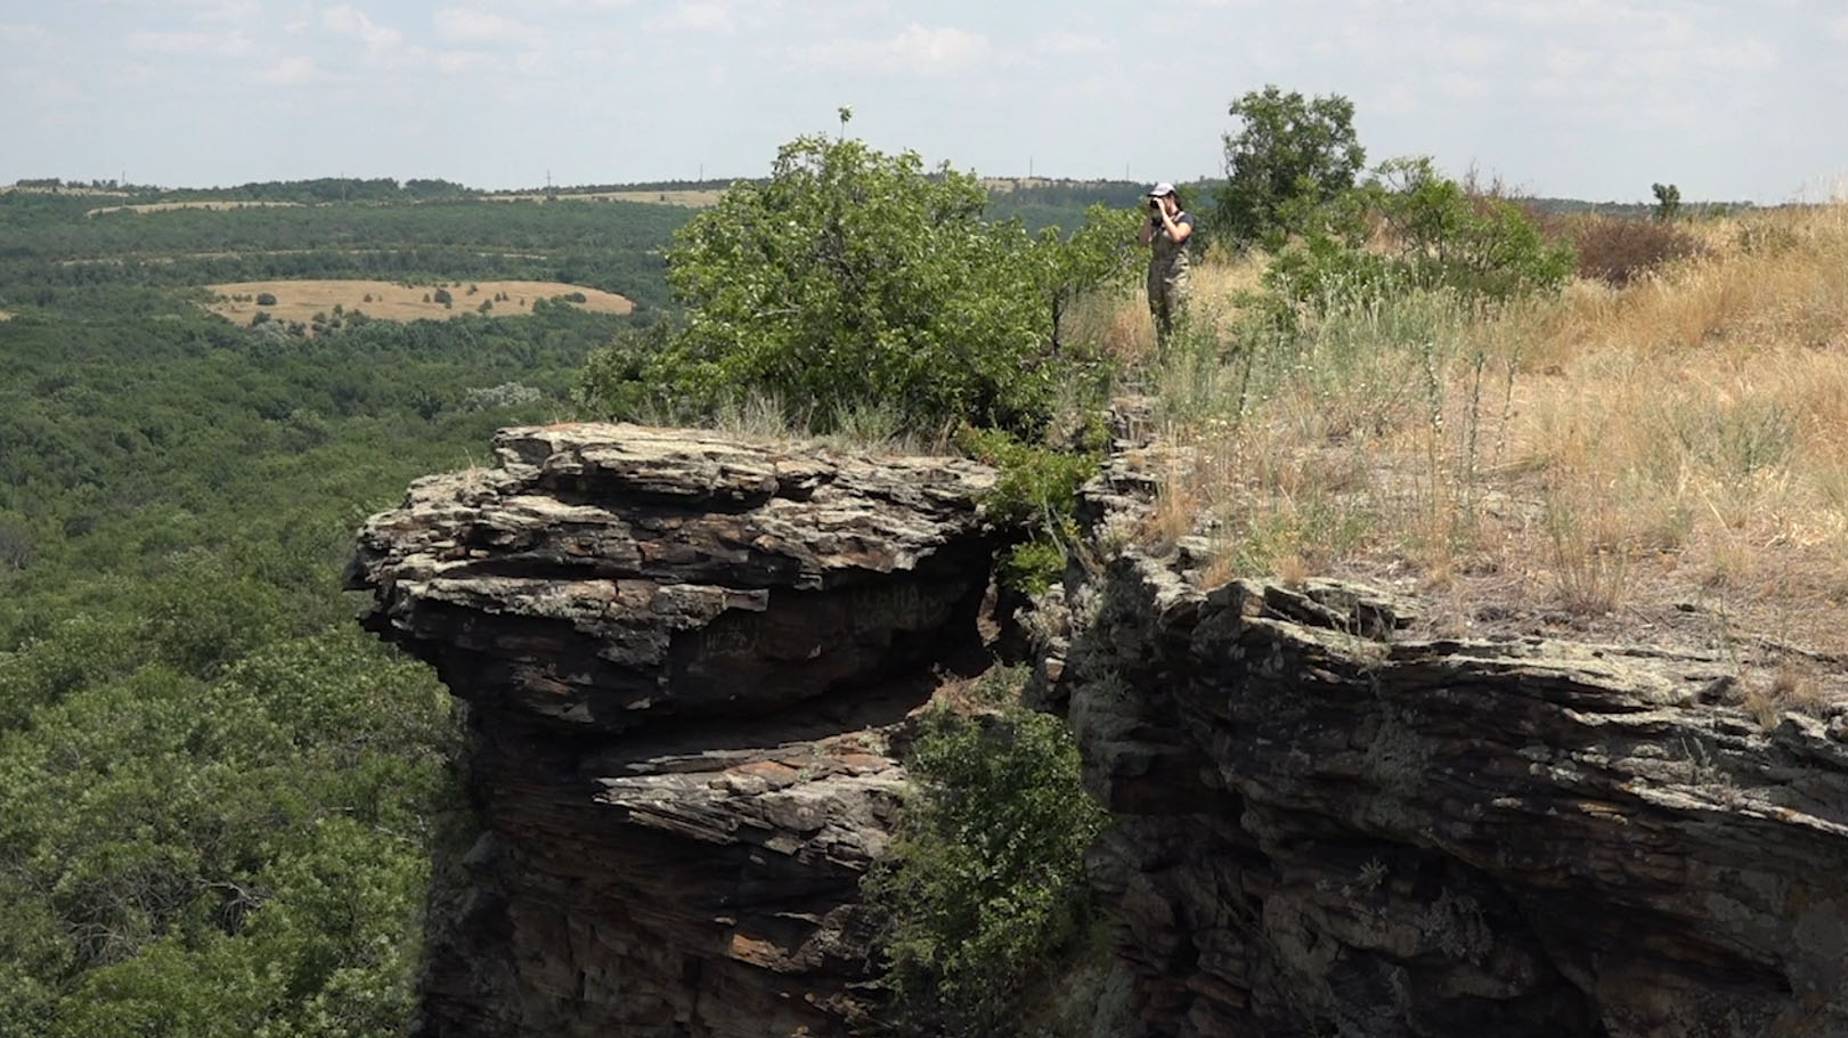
1673,453
163,207
394,301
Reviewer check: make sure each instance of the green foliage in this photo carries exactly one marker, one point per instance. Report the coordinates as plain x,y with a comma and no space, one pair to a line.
1034,483
1034,566
266,299
1100,254
53,253
1668,201
1440,235
1292,155
852,276
217,798
984,888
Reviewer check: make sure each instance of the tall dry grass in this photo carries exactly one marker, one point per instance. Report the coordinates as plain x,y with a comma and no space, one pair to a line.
1681,439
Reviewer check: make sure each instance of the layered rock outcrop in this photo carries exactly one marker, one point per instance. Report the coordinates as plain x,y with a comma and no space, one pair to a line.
687,659
683,658
1328,827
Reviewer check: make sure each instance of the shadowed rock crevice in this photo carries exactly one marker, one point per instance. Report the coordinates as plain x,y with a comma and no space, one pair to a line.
685,661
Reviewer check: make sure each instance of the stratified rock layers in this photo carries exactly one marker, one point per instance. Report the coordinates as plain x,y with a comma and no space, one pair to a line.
681,654
1327,828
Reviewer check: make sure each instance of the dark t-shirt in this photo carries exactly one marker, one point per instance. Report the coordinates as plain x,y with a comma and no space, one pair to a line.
1170,256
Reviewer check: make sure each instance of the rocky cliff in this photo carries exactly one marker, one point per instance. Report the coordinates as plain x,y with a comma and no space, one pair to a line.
1328,827
683,658
686,661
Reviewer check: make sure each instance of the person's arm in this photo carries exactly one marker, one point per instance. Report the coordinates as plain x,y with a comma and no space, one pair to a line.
1177,232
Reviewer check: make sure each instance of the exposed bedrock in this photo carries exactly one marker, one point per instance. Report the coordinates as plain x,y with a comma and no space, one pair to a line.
1329,828
683,657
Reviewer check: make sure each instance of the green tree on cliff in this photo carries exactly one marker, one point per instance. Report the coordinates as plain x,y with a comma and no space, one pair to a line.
853,276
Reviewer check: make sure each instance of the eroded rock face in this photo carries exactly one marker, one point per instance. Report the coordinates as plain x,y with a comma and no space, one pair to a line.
682,657
1327,828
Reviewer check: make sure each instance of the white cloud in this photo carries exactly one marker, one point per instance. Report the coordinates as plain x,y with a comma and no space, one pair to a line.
467,25
1062,42
1838,27
696,16
290,71
451,62
917,48
223,44
350,21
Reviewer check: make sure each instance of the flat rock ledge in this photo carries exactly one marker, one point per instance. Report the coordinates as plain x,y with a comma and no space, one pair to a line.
1327,828
684,658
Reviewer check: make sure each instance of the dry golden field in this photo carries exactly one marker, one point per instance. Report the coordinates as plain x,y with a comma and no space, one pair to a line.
161,207
395,301
1665,462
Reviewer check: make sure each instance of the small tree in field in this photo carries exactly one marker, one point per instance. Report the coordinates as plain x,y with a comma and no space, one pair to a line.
1668,201
266,299
442,296
1293,155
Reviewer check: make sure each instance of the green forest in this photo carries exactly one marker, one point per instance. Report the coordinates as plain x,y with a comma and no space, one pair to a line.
218,798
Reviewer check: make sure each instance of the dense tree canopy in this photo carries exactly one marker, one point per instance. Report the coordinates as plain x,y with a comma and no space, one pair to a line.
1291,155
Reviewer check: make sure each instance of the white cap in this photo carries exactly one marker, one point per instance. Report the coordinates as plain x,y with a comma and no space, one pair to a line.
1163,188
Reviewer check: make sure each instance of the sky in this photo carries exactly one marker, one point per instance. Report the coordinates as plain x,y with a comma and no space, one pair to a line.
1594,99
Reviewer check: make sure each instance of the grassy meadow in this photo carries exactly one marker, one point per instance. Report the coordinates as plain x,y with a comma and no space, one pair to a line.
1665,460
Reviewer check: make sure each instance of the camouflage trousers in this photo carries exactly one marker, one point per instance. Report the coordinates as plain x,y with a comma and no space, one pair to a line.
1167,300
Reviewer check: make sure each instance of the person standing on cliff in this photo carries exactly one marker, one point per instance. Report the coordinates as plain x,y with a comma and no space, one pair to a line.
1166,232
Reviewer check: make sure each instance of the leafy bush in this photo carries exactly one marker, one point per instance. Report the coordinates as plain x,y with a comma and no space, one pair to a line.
1668,201
1437,234
853,276
266,299
1037,488
984,887
1618,251
442,296
1292,155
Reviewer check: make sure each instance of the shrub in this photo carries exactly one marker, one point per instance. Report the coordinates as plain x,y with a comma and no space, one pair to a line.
1292,155
983,891
1617,251
1668,201
575,297
852,275
442,296
266,299
1437,234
